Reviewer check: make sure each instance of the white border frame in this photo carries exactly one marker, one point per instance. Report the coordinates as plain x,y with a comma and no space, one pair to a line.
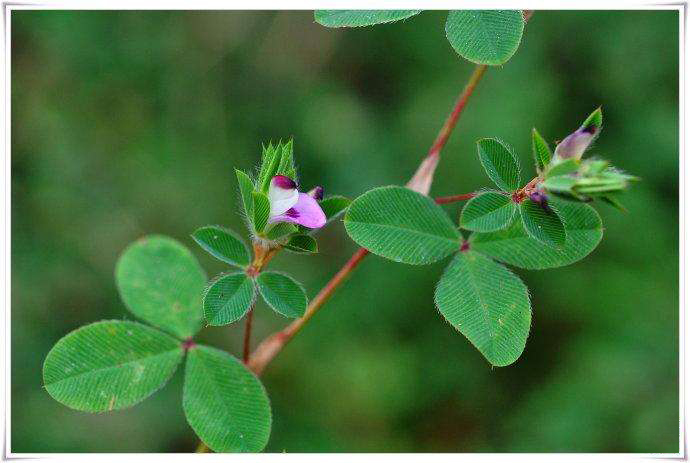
5,232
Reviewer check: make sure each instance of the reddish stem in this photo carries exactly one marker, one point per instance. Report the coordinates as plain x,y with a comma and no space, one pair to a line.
454,198
247,335
452,119
270,347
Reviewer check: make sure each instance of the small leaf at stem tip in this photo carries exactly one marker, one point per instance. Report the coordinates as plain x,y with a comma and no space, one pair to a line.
262,209
160,281
596,119
542,223
246,187
225,404
500,163
402,225
223,244
540,150
282,293
485,36
228,298
488,304
357,18
487,212
110,365
567,166
302,244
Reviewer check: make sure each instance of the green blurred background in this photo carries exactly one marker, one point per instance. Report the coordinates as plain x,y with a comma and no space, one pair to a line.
129,123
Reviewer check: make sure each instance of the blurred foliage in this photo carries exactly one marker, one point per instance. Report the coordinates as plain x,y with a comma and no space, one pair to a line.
129,123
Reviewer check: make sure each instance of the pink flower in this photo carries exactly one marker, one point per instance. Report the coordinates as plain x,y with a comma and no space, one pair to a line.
289,205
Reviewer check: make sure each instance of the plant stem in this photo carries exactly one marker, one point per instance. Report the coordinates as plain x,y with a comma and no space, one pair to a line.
420,182
422,178
247,334
270,347
454,198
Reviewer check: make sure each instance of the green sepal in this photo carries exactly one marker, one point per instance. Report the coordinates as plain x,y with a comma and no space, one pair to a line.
302,244
281,230
262,209
246,187
540,150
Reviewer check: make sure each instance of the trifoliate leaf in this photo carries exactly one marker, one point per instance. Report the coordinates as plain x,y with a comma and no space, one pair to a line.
488,304
356,18
542,223
110,365
401,225
161,282
487,212
228,298
515,247
223,244
282,293
224,403
500,163
485,36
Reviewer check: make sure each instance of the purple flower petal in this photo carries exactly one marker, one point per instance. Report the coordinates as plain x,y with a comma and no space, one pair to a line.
576,143
305,212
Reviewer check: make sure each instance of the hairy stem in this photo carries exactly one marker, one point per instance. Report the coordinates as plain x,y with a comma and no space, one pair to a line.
420,182
454,198
247,335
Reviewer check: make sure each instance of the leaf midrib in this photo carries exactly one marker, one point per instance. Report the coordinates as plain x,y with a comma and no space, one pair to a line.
410,230
218,391
97,370
484,311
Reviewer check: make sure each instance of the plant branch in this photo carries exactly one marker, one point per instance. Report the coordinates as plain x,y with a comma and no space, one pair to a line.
420,182
247,334
454,198
422,178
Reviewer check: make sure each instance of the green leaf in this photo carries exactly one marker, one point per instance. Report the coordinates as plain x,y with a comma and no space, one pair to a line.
559,183
223,244
275,160
246,187
356,18
228,298
287,163
281,230
596,119
565,167
302,244
487,212
333,206
270,161
401,225
225,404
485,36
110,365
161,282
262,208
541,224
488,304
515,247
500,163
282,293
540,150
